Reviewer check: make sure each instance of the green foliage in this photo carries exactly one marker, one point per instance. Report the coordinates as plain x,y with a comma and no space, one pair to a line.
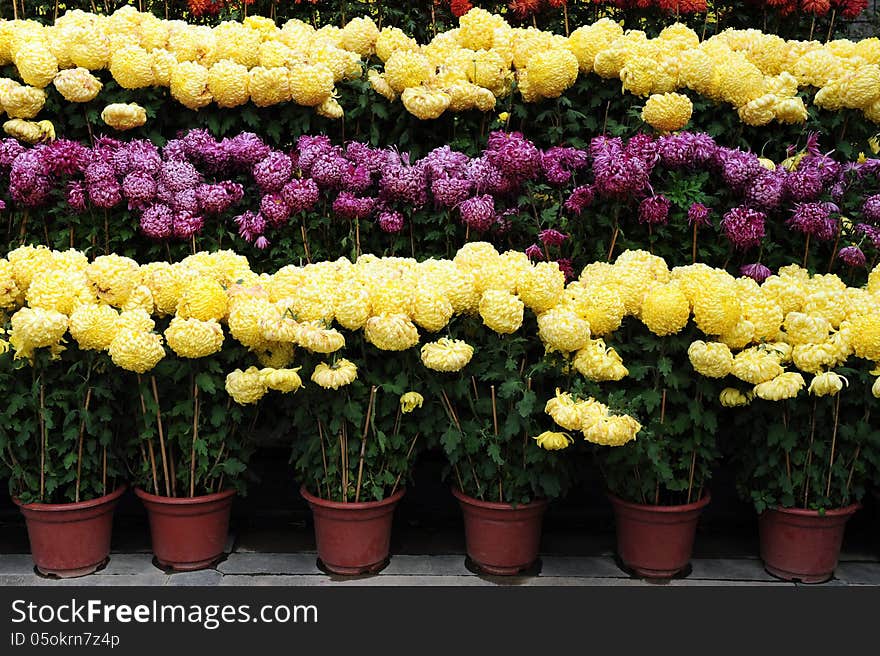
494,407
807,452
59,427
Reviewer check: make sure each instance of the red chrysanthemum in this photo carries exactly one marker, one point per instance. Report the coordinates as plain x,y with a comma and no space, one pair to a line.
524,8
816,7
460,7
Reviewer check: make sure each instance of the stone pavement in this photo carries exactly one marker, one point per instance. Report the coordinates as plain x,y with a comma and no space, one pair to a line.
285,556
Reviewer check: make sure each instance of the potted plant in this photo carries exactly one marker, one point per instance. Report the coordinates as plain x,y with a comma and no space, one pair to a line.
802,450
804,467
58,423
501,479
658,416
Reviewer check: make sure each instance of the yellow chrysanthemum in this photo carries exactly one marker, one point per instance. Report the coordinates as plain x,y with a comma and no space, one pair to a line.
391,332
112,278
551,72
124,116
667,111
553,440
268,86
136,350
665,309
189,85
713,359
77,85
541,286
448,355
246,387
562,330
23,102
730,397
228,83
614,430
37,328
204,299
599,362
784,386
501,311
94,326
828,383
339,374
131,67
282,380
192,338
425,103
310,84
410,401
565,411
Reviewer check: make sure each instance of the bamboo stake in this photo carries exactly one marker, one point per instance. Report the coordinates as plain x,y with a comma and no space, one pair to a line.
153,467
809,456
161,435
42,441
323,454
104,473
833,444
82,432
192,452
366,433
476,393
691,477
613,242
852,469
412,445
494,411
305,243
343,441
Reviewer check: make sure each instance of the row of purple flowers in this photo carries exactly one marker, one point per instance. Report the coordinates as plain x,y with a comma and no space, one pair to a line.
175,189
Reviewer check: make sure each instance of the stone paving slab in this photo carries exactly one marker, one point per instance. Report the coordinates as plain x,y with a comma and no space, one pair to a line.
202,577
859,573
443,565
270,563
586,567
729,569
129,563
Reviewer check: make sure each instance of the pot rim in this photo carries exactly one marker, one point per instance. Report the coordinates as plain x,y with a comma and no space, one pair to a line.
183,501
354,505
803,512
685,507
495,505
74,505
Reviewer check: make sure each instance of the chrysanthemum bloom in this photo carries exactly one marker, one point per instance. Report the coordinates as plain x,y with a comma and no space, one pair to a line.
58,290
828,383
37,328
730,397
246,387
425,103
852,256
136,350
744,227
310,84
667,111
541,286
614,430
563,330
757,272
282,380
755,366
192,338
599,362
565,411
112,278
551,72
391,332
448,355
77,85
654,210
712,359
501,311
865,336
665,309
581,198
698,215
203,298
553,440
784,386
341,373
478,213
189,85
410,401
228,83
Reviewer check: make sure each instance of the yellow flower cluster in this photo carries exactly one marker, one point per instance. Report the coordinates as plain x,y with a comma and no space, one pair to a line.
230,64
812,324
467,67
594,419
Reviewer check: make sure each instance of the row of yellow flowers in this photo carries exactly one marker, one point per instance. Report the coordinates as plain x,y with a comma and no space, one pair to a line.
467,67
764,335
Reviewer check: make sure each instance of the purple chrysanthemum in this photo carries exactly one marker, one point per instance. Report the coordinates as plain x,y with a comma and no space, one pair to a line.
478,212
76,196
744,227
871,209
767,191
654,210
390,221
566,267
139,188
814,219
244,150
157,221
852,255
698,215
513,155
250,225
581,198
176,176
551,237
350,207
757,272
535,253
274,208
186,224
301,195
449,192
273,171
804,183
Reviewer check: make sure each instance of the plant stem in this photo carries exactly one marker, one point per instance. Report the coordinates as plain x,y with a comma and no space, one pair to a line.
82,431
833,443
323,458
852,469
809,459
613,241
494,411
366,433
691,476
192,452
104,473
42,440
408,455
806,250
161,430
696,228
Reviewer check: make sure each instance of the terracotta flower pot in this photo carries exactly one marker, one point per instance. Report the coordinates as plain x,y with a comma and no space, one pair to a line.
656,542
188,533
353,538
501,538
70,539
802,545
